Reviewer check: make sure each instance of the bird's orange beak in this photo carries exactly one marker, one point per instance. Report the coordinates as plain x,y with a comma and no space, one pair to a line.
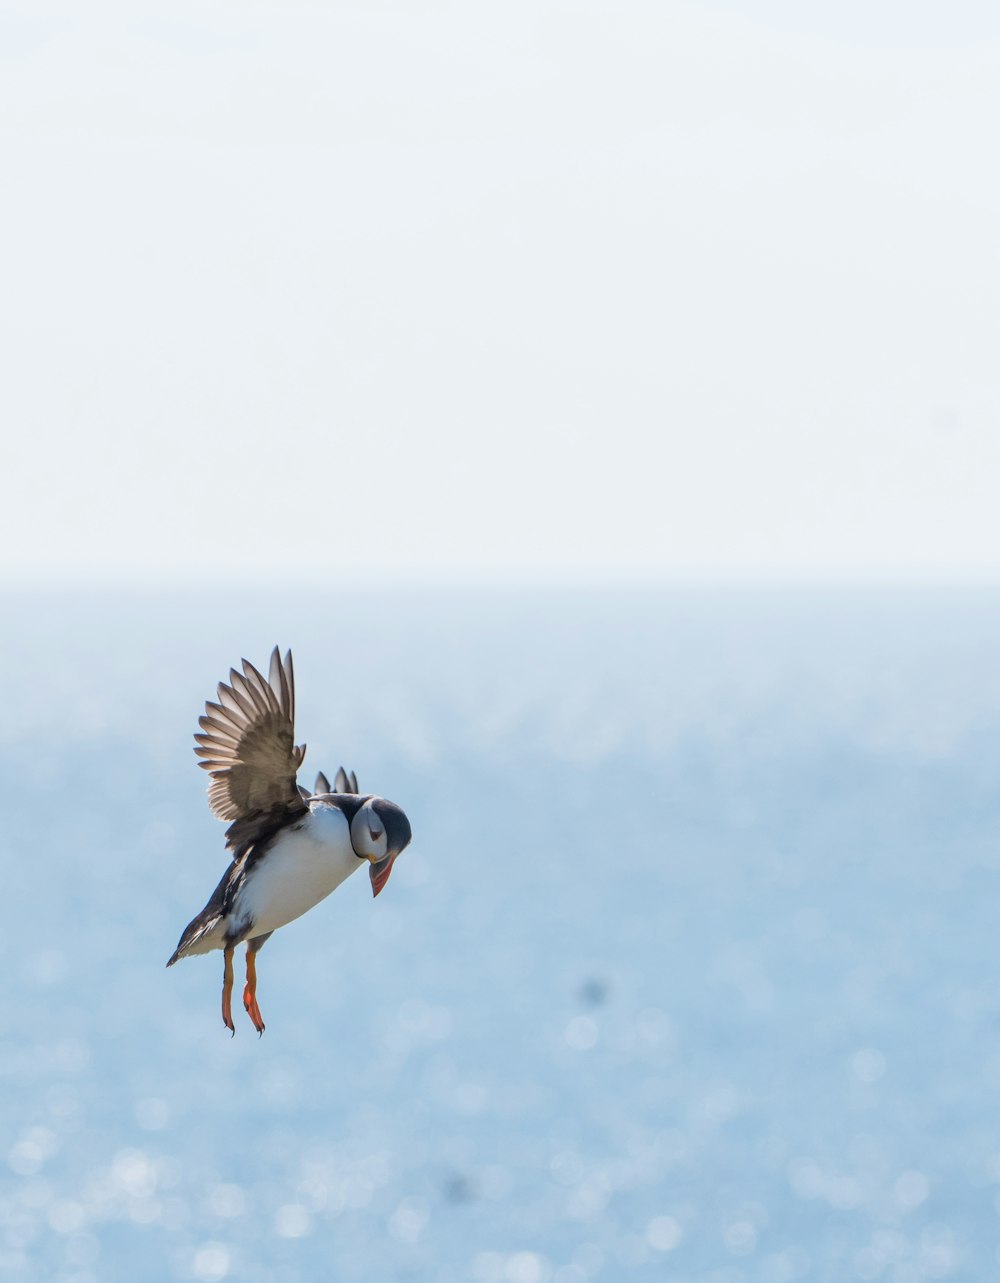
379,871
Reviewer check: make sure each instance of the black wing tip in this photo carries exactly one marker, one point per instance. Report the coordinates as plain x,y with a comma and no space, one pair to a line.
346,782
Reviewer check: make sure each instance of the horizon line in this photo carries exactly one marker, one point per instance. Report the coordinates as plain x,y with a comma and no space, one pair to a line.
224,580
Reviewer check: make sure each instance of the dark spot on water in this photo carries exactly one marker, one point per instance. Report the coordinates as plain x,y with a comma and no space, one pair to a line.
594,991
459,1188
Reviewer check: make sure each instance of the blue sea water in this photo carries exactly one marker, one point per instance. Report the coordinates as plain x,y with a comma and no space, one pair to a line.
689,974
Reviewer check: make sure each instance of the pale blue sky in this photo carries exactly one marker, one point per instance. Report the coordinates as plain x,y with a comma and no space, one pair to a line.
480,291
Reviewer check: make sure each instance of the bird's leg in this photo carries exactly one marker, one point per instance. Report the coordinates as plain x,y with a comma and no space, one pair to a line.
250,991
227,990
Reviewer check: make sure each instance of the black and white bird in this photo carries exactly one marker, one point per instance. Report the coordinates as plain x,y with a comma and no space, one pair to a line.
290,847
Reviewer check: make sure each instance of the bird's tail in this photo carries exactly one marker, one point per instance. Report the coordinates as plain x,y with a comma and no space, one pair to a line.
201,935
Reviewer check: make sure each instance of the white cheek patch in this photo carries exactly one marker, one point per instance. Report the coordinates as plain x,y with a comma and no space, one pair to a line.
368,836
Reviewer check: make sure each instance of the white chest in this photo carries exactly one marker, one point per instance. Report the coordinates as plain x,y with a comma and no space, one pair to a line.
302,867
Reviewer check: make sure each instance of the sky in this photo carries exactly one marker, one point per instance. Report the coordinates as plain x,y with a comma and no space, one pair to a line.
643,290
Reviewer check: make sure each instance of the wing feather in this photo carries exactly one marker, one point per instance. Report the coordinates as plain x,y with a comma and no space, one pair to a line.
207,741
227,698
222,716
258,689
243,696
279,683
290,677
247,745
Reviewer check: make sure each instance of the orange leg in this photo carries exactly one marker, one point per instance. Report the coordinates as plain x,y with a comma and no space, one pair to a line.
227,991
250,991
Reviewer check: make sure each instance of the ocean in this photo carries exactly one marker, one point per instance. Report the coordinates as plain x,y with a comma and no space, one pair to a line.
689,975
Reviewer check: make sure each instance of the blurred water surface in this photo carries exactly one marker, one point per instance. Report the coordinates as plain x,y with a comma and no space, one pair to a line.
689,973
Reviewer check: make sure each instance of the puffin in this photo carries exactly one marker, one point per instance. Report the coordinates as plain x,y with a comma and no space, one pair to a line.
290,848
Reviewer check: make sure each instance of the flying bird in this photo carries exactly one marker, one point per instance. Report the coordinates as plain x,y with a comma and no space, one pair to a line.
290,848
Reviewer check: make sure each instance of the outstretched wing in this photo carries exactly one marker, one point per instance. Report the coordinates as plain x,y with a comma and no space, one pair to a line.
247,746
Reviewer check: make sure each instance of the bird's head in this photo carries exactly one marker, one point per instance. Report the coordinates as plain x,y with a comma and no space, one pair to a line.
379,832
